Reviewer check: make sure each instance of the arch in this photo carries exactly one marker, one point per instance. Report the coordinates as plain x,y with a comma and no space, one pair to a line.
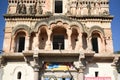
21,27
43,37
97,41
55,20
96,28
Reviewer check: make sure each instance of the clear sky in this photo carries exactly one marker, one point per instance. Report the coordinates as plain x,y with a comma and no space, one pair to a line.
114,10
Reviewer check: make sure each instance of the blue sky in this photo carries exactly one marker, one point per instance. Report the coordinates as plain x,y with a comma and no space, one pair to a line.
114,10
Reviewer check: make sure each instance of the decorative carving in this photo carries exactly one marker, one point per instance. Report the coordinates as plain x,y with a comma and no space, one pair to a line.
97,8
40,10
18,8
115,61
68,8
89,9
32,9
36,8
105,12
48,13
21,8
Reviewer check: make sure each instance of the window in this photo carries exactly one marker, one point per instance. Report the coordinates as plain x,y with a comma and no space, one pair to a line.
95,44
58,42
21,44
96,74
58,6
19,75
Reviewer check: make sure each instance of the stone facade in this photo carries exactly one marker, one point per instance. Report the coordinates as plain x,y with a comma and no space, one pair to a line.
58,39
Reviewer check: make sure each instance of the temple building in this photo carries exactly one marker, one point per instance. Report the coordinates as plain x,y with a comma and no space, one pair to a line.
58,40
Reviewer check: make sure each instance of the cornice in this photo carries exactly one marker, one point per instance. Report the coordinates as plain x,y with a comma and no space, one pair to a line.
82,17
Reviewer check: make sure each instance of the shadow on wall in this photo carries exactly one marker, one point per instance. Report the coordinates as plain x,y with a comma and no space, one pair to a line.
92,65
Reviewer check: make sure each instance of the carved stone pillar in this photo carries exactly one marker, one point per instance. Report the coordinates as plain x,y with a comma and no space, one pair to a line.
36,66
48,43
115,73
36,73
27,39
89,44
69,32
81,74
36,42
13,44
79,42
81,67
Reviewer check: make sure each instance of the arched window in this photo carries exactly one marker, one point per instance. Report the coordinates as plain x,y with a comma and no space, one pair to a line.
20,42
19,75
95,44
94,41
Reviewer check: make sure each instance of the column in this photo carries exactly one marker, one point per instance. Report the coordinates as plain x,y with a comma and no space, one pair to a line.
79,43
80,74
13,44
69,32
36,66
48,43
36,42
36,73
115,61
27,39
89,48
81,68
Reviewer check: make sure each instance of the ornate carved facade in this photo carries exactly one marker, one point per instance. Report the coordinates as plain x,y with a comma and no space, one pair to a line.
58,39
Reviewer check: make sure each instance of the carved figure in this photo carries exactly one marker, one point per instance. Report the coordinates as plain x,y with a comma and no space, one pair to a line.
105,12
33,9
18,8
68,8
89,9
30,9
21,8
40,10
